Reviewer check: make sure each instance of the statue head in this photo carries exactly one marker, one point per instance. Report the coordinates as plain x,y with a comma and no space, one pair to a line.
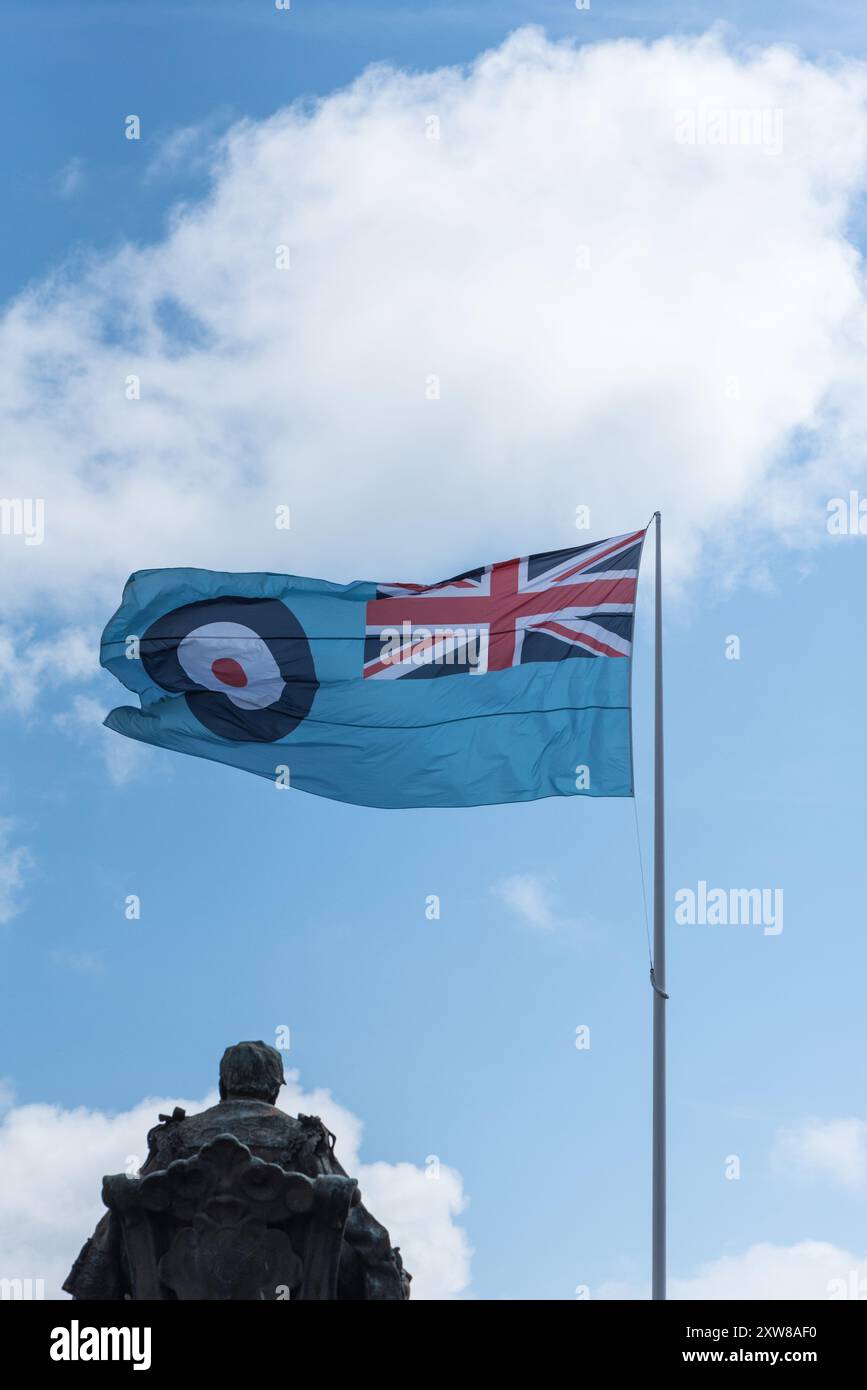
251,1071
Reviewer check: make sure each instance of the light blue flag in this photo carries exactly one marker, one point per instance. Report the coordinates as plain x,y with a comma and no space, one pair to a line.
506,683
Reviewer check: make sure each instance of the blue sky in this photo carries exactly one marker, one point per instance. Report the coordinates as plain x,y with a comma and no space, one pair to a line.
454,1037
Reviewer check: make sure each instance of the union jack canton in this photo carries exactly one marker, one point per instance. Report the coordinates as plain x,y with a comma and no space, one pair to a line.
553,606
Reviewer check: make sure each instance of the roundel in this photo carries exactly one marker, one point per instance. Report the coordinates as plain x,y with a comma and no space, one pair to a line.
244,665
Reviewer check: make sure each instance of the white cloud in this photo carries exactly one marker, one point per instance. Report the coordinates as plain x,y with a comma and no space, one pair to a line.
15,861
188,149
71,177
53,1161
83,962
30,665
810,1269
835,1149
420,1211
616,319
124,760
529,897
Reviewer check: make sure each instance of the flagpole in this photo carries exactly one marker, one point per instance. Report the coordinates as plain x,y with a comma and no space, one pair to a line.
657,974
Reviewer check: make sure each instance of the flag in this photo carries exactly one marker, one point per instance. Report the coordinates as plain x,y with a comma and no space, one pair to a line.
509,682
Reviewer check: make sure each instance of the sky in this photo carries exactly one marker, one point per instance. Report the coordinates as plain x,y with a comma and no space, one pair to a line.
623,311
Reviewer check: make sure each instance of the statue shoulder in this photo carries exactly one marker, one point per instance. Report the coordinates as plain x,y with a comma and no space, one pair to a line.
158,1140
316,1143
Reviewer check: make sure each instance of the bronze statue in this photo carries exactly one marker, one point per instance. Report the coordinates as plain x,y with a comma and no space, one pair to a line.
239,1202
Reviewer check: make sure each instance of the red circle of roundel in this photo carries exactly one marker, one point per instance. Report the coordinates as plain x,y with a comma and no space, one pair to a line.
229,671
244,665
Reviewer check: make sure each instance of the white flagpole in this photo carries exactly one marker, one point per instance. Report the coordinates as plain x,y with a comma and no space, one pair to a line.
657,974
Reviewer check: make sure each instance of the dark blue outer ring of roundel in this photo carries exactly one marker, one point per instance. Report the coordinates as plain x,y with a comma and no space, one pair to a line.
284,637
